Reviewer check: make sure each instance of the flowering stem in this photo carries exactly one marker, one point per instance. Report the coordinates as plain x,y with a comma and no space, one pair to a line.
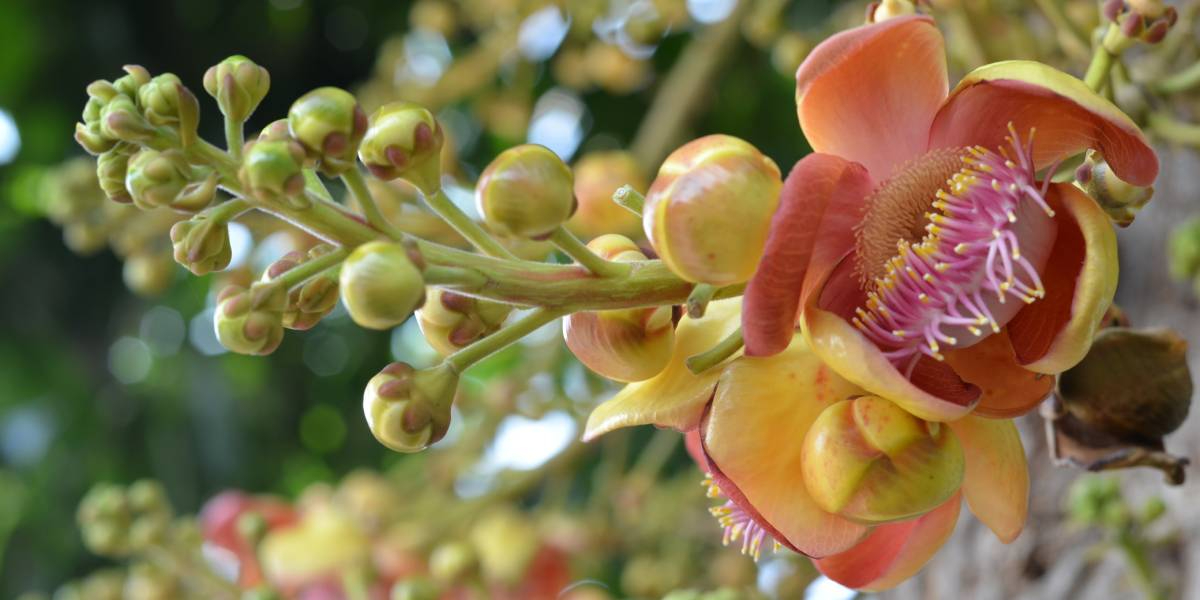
1173,130
459,277
226,211
697,301
1097,72
235,139
630,199
310,268
1143,571
568,243
353,178
717,354
463,359
447,210
1180,82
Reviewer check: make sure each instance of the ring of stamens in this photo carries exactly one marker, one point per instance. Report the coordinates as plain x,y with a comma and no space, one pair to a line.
738,524
970,249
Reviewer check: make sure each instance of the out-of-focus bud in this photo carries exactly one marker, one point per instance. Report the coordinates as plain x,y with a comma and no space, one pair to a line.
1150,9
789,50
148,272
890,9
434,15
1119,199
369,498
111,169
250,321
451,561
165,101
1185,252
526,192
449,320
201,244
597,176
612,69
154,179
148,582
324,543
274,170
415,588
869,460
406,409
121,120
624,345
238,85
312,300
708,212
330,124
404,140
152,513
381,286
104,517
505,541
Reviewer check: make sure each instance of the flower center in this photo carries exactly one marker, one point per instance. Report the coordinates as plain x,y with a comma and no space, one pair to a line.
980,240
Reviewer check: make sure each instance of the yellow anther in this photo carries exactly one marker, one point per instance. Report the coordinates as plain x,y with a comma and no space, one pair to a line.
996,184
923,298
975,331
941,267
1012,217
928,278
961,248
900,333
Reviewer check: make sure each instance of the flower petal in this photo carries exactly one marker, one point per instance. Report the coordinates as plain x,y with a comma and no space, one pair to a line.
1009,390
869,94
996,483
1054,333
892,553
820,204
675,397
754,438
935,392
1069,118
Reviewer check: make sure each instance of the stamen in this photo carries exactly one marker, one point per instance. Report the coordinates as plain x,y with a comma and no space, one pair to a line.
738,524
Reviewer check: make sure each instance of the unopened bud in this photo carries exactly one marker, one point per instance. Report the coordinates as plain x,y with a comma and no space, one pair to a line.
451,561
134,78
505,541
1184,250
404,140
526,192
148,272
155,179
121,120
1122,201
330,124
869,460
250,321
274,170
380,284
449,320
197,195
313,299
238,85
597,176
165,101
890,9
708,212
92,139
415,588
111,170
324,544
201,244
104,517
1151,9
406,409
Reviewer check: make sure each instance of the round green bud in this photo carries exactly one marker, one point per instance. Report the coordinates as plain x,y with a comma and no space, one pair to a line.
250,321
381,286
238,84
90,137
277,130
165,101
406,409
154,178
404,140
111,170
526,192
145,581
449,320
148,273
315,298
201,244
106,584
273,169
121,120
330,124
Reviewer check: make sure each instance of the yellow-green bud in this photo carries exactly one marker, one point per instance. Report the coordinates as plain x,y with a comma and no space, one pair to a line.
415,588
708,212
111,170
250,321
1119,199
165,101
147,582
121,120
238,85
597,176
277,130
148,272
406,409
526,192
92,138
154,179
449,320
505,541
330,124
404,140
104,517
273,170
312,300
134,78
890,9
869,460
198,194
381,286
1185,250
451,561
201,244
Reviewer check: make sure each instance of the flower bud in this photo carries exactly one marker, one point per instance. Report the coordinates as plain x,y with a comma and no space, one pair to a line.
250,321
92,139
121,120
104,517
406,409
148,273
869,460
708,212
1184,250
111,170
451,561
890,9
506,542
526,192
313,299
134,78
329,123
274,170
238,85
201,244
155,178
404,140
324,544
165,101
197,195
1119,199
597,176
449,320
415,588
380,284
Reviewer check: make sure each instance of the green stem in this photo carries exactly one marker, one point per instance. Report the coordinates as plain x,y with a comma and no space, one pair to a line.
568,243
226,211
312,267
630,199
697,301
1097,72
313,184
459,277
717,354
357,184
448,211
1180,82
463,359
1173,130
1143,570
1073,41
234,139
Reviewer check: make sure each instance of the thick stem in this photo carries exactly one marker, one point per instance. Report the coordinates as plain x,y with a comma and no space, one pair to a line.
447,210
353,178
461,278
1097,72
234,139
568,243
463,359
717,354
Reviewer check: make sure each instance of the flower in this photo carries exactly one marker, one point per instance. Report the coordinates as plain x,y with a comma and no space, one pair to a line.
926,261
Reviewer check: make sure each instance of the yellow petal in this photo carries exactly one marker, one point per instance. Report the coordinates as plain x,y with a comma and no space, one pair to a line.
996,483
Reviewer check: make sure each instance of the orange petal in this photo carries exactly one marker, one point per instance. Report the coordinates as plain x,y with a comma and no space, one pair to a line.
821,202
892,553
996,482
676,396
869,94
1054,333
935,392
1069,118
1009,390
755,436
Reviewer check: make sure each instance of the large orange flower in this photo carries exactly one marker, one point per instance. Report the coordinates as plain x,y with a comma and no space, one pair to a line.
927,262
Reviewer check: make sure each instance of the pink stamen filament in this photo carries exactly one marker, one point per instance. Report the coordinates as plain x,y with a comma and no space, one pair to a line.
739,524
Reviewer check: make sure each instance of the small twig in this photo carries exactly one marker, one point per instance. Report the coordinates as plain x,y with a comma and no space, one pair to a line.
568,243
717,354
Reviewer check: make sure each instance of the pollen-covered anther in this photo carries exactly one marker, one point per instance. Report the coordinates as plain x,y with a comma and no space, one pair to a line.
738,524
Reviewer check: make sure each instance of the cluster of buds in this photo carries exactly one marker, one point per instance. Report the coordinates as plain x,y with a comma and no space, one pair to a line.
141,581
156,179
449,320
312,300
1147,21
201,244
408,409
118,521
250,321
